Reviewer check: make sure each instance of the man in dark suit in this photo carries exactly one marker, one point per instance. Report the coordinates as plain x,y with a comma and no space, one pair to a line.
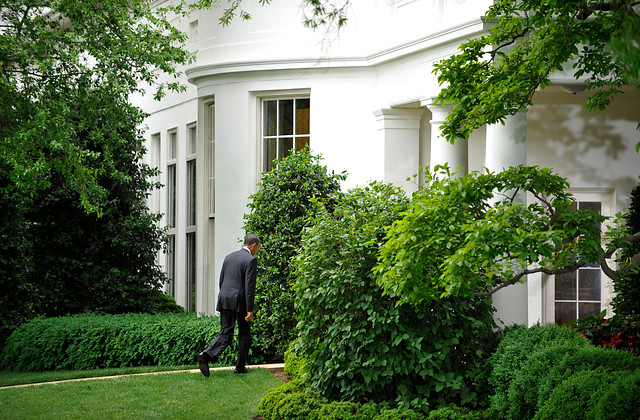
235,303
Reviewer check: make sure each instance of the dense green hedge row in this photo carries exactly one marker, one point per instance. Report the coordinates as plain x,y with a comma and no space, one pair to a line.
107,341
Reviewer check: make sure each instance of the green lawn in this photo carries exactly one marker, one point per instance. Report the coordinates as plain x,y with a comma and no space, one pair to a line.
181,395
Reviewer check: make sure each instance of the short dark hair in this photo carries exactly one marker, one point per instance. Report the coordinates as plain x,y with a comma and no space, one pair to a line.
251,239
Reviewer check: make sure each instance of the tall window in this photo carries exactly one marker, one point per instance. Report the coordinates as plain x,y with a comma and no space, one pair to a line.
190,278
155,164
171,177
285,127
578,294
210,142
171,264
172,148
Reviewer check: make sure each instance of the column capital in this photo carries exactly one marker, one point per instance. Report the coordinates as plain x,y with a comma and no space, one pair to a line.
439,111
398,118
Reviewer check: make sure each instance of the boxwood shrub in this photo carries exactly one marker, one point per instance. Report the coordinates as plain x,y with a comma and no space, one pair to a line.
108,341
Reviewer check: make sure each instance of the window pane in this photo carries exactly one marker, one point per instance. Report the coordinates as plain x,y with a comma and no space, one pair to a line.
566,286
284,147
191,191
171,195
285,120
565,312
589,284
269,153
587,309
301,143
593,206
302,116
270,118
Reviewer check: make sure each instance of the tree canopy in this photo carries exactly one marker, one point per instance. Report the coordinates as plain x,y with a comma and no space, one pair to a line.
459,238
497,74
52,55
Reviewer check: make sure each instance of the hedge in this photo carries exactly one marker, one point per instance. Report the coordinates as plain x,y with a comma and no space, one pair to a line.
108,341
532,364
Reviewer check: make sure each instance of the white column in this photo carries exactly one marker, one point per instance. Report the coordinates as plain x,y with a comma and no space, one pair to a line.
506,147
400,131
442,151
507,144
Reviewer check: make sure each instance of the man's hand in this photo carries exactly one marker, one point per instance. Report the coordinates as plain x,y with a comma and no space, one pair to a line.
249,316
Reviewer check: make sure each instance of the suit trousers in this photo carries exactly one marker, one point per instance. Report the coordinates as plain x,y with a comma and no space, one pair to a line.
228,319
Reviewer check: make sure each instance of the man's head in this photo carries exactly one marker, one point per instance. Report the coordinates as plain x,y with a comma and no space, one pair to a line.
252,242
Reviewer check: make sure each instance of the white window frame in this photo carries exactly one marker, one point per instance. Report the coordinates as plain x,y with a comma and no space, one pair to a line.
264,97
606,196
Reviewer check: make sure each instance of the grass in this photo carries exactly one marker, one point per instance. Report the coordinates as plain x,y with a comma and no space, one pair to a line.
181,395
17,378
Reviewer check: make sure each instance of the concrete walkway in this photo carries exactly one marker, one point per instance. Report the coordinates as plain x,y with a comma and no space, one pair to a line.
213,369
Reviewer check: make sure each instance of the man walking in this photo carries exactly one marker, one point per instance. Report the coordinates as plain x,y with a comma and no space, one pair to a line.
235,303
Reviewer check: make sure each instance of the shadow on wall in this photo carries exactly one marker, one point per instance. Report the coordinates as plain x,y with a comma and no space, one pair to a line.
591,149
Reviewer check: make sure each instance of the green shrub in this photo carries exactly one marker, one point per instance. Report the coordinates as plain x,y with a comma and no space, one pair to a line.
106,341
291,401
547,356
456,413
619,400
518,344
626,300
294,365
288,397
575,397
358,343
279,211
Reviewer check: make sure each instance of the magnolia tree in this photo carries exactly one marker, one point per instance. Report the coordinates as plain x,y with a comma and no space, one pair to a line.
472,236
496,75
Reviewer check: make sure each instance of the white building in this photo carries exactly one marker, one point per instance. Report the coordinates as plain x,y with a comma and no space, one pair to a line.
362,99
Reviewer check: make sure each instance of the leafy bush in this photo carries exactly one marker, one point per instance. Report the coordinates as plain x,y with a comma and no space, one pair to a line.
575,397
294,365
93,342
518,344
455,413
279,211
619,399
627,298
546,357
291,401
360,344
621,332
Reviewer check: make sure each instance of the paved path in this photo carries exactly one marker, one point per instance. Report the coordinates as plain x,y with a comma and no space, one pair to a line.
213,369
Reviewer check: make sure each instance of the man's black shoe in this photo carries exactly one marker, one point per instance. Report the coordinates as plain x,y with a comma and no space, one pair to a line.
240,370
203,365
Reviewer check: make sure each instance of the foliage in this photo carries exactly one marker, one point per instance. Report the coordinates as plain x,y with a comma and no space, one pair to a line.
496,75
279,211
627,298
531,362
620,332
76,233
575,397
94,342
290,401
471,236
514,350
455,413
360,345
619,398
55,58
294,365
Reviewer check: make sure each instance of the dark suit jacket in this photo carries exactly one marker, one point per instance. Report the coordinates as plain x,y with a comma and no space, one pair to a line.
238,282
